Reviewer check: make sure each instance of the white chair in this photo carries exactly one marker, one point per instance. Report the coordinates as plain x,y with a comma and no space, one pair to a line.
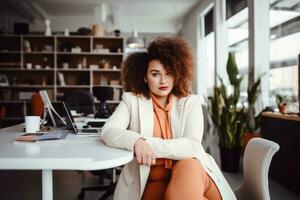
256,162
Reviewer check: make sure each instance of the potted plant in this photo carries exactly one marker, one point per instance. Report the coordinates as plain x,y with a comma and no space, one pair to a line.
281,103
227,118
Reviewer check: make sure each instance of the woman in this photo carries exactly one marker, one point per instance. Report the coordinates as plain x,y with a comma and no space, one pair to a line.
162,123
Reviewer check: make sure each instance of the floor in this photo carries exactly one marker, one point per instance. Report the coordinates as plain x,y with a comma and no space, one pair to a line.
67,184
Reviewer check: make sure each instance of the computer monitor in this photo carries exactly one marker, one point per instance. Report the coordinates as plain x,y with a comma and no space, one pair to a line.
50,112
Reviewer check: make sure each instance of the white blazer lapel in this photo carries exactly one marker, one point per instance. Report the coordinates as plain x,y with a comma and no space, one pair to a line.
146,116
146,124
175,117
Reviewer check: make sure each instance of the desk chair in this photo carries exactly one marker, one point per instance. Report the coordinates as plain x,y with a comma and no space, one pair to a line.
37,105
256,162
80,100
103,93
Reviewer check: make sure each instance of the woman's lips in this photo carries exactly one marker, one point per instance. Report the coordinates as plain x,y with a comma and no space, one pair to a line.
163,88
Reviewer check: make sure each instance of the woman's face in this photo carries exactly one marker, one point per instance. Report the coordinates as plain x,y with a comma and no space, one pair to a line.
160,81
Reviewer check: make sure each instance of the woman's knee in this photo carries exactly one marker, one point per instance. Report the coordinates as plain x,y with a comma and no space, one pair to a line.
186,164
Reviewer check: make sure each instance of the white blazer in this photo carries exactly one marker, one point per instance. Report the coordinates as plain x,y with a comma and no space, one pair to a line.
134,118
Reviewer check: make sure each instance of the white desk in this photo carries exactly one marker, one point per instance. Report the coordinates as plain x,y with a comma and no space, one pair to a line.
72,153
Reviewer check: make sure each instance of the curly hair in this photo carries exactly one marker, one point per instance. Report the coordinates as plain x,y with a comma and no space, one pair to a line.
134,69
176,56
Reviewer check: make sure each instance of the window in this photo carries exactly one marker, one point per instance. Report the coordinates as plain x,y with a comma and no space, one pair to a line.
284,48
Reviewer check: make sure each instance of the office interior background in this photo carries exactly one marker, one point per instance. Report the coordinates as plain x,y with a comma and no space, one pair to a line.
64,45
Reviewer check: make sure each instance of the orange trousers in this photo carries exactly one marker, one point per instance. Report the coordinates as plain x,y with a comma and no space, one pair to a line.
187,180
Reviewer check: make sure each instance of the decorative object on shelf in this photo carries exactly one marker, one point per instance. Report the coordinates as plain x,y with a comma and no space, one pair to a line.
79,66
135,41
66,32
84,64
46,62
103,80
65,65
99,49
77,49
114,82
97,30
104,64
47,48
48,28
117,32
84,31
61,78
27,47
37,66
25,95
28,65
94,67
3,80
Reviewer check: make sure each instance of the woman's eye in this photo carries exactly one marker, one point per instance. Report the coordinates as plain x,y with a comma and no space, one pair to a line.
155,74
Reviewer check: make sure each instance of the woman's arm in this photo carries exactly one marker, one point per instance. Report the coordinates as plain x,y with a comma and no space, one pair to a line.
189,144
115,134
115,131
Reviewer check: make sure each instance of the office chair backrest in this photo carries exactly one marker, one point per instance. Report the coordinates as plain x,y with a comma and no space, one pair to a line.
81,101
103,93
256,162
37,105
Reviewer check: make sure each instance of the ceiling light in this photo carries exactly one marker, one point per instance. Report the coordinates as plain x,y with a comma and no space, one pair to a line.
135,41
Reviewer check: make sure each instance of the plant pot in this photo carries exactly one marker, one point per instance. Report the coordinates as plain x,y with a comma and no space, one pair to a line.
230,159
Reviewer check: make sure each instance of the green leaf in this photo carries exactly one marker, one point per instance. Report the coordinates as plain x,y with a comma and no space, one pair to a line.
232,70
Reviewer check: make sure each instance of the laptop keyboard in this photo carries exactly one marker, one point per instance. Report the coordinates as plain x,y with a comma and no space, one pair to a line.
89,131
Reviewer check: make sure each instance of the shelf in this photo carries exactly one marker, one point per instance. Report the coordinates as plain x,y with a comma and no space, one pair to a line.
27,86
27,70
10,64
39,53
15,102
10,52
114,86
73,69
14,59
87,69
110,101
106,70
91,53
73,86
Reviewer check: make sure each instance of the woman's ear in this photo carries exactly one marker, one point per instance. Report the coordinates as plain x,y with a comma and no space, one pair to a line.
145,79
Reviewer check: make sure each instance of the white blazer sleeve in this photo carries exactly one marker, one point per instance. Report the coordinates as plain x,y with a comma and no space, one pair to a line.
115,131
188,145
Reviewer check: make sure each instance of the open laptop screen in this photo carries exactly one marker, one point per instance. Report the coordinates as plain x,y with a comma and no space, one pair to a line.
69,119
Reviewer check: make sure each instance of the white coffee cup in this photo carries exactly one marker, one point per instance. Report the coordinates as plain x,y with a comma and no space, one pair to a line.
32,124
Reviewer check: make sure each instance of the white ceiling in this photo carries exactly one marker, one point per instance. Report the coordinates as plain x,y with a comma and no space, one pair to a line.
145,15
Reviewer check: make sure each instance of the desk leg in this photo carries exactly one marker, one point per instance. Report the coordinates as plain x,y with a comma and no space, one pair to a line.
47,185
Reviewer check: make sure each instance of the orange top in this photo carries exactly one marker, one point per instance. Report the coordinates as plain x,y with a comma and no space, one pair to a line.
162,128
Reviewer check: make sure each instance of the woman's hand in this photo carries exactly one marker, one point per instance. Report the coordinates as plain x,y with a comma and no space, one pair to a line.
144,153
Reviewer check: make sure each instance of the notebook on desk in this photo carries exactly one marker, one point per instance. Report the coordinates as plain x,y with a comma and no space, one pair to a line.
72,126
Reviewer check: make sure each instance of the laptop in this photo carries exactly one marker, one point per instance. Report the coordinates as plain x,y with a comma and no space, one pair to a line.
72,126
